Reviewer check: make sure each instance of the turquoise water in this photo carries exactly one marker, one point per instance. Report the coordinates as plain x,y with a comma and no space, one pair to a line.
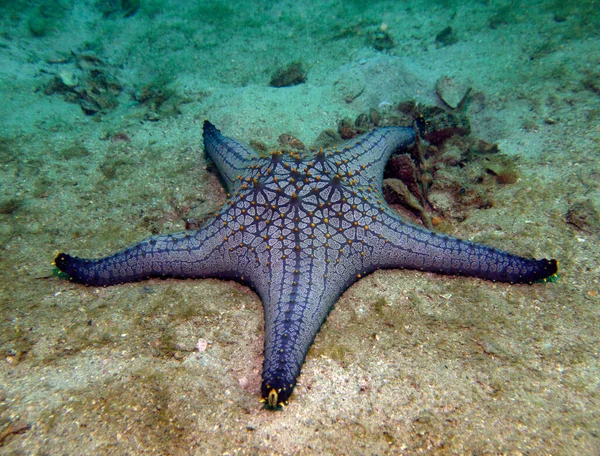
100,146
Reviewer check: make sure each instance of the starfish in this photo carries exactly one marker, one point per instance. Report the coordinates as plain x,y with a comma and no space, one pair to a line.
299,230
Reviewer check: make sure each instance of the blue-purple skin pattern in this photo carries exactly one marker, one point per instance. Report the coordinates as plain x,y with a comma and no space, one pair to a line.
300,229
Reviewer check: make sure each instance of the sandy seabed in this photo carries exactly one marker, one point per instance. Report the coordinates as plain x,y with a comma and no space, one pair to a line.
407,363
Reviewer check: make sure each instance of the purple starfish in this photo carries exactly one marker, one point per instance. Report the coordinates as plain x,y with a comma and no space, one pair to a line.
300,230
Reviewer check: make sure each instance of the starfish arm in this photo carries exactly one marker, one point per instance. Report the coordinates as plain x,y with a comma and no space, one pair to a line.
302,289
400,245
231,158
368,154
181,255
295,306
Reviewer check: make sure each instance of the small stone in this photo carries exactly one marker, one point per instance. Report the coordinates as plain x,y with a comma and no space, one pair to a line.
374,116
291,75
346,128
362,123
398,192
291,141
436,220
441,125
68,78
201,345
258,145
327,138
381,40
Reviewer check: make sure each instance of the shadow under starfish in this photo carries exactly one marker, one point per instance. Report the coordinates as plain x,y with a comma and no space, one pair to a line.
299,230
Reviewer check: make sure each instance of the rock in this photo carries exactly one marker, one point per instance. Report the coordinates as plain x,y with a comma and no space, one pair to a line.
291,75
291,141
327,138
68,78
346,128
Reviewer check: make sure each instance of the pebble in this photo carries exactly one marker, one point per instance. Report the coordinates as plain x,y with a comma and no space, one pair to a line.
68,78
291,141
201,345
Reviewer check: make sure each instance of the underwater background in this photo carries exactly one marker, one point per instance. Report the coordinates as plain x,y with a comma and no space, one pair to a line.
102,105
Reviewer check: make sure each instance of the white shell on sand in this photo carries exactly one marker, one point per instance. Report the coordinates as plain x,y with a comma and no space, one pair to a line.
450,92
68,78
